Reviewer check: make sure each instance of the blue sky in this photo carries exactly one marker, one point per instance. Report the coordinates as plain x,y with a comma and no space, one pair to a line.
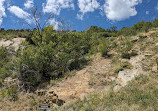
80,13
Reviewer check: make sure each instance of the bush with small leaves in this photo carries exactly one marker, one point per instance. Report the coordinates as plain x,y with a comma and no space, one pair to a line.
3,56
57,54
1,83
127,55
105,47
123,65
11,93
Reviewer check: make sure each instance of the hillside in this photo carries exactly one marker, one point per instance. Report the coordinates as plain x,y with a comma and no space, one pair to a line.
134,88
80,71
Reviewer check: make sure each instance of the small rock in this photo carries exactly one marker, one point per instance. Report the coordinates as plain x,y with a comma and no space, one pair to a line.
112,78
117,88
154,69
124,60
9,81
112,52
149,53
135,39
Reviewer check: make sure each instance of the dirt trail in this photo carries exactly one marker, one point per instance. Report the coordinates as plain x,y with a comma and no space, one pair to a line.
78,85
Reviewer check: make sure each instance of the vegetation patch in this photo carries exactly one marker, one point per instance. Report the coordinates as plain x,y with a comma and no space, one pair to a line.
124,65
11,93
127,55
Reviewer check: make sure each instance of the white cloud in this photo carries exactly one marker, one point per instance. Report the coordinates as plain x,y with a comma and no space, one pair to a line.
28,4
55,6
19,13
2,11
80,16
55,23
156,6
147,12
87,6
120,9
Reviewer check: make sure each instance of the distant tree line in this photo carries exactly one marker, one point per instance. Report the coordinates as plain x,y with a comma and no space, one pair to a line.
139,27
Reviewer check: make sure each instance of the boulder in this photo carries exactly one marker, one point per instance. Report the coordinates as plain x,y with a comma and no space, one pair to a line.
127,75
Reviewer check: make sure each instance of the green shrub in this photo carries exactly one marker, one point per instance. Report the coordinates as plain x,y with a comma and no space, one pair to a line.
127,32
105,47
11,93
133,53
117,70
3,56
155,23
57,54
104,51
1,83
125,48
4,59
127,55
124,65
35,63
147,26
3,93
33,101
4,73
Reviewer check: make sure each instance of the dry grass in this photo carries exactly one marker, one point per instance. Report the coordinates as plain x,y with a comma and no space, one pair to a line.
140,95
25,102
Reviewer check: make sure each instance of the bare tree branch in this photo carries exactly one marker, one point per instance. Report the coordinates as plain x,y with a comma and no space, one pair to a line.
47,20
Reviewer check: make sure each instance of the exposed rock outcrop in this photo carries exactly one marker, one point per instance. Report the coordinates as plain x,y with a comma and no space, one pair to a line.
128,74
15,43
